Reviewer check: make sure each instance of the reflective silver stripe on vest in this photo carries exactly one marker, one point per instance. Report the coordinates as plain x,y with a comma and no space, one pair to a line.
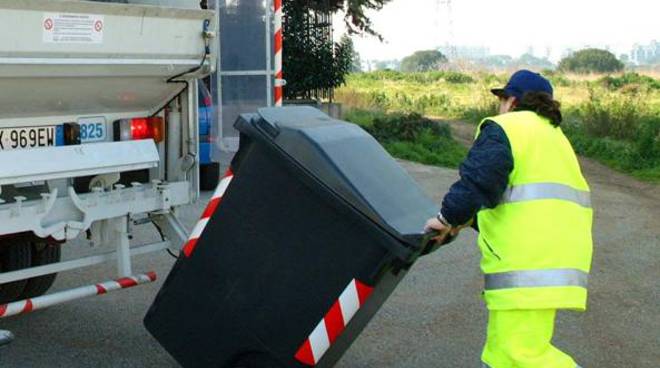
530,192
484,365
536,278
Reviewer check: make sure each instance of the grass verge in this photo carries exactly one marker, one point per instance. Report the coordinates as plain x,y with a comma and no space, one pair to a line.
410,136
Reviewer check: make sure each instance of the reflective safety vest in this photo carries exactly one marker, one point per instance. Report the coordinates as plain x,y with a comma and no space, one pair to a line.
536,243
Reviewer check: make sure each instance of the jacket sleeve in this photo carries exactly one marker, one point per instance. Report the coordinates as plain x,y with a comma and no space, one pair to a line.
484,176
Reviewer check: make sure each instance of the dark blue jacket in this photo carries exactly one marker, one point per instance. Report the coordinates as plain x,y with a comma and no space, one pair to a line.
484,176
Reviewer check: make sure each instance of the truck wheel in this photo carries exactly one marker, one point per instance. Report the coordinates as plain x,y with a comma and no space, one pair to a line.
42,254
209,176
14,255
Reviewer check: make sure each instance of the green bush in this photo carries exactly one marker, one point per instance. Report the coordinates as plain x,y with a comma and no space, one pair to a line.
421,61
406,127
648,143
423,77
640,158
411,137
611,116
559,80
482,106
433,104
379,100
616,83
363,118
427,104
429,150
591,61
490,79
381,75
414,77
457,78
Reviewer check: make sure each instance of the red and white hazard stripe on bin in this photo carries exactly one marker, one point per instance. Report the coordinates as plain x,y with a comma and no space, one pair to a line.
334,323
208,212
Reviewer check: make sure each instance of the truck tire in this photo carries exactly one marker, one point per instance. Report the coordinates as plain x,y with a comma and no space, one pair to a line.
15,254
209,176
42,254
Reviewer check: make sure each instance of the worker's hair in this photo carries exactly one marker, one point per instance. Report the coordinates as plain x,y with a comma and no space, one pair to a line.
541,103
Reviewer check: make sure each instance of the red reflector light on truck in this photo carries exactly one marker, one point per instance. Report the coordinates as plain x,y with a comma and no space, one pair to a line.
139,128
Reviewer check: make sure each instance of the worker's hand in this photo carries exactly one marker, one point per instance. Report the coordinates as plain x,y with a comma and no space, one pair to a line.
433,224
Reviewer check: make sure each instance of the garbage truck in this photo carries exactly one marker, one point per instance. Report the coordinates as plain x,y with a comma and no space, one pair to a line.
98,134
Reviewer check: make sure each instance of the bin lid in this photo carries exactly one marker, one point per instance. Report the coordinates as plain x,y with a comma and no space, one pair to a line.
350,162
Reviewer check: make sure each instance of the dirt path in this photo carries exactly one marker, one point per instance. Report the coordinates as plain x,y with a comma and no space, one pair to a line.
462,131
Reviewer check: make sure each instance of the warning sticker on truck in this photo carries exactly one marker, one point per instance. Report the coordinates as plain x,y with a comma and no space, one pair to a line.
72,28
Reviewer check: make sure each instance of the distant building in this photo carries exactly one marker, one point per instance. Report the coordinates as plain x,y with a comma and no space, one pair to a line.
567,52
373,65
465,52
646,54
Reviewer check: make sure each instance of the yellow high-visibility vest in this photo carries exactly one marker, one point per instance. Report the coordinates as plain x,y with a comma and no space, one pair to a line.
536,243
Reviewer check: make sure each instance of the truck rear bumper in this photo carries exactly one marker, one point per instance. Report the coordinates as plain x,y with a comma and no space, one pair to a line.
48,163
65,218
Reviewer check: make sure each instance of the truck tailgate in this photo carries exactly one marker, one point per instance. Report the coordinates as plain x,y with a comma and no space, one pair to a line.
63,57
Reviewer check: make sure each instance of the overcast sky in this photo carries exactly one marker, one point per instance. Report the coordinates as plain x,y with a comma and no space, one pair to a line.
509,26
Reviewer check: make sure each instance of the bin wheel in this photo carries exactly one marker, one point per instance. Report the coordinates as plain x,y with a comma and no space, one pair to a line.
42,254
15,254
209,176
256,360
6,337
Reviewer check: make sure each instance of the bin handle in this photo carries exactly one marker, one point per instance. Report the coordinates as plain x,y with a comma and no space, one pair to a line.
430,245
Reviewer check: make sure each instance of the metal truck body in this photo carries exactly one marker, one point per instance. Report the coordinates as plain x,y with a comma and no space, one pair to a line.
98,130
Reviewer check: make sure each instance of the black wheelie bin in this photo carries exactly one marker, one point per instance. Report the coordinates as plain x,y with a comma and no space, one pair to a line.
315,230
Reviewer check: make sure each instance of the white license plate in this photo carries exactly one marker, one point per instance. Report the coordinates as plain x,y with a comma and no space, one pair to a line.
30,137
92,129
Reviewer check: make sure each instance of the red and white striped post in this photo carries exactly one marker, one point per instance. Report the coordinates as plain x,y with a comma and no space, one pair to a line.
279,81
45,301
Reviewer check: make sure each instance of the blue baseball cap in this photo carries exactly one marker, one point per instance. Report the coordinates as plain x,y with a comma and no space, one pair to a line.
521,82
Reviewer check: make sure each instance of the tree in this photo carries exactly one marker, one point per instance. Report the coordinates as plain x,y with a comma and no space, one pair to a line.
313,64
422,61
355,17
533,61
591,61
346,44
344,59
